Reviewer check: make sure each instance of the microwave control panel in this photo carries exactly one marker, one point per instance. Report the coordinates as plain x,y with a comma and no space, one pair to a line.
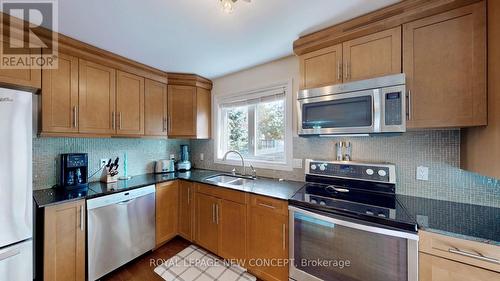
393,109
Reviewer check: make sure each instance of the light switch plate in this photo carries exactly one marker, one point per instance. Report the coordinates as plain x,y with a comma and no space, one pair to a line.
103,162
422,173
202,156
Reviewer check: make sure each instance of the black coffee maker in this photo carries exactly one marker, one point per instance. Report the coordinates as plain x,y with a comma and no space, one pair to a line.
74,171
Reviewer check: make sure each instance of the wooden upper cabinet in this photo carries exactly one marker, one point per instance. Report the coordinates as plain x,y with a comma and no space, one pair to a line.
129,104
167,211
156,106
64,242
31,78
96,98
186,209
181,111
445,64
372,56
60,97
207,230
203,113
321,68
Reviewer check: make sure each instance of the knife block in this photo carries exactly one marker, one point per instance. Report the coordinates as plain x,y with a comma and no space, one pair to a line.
106,177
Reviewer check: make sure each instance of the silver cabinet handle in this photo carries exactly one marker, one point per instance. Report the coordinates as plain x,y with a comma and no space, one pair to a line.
74,117
267,206
9,254
345,71
474,256
82,223
408,114
213,213
119,120
169,123
164,124
284,236
217,213
348,70
339,70
113,120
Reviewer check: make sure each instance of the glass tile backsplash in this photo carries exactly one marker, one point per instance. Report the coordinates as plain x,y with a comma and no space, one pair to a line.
439,150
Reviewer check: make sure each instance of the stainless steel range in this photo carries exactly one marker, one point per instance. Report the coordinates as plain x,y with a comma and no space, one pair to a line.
346,224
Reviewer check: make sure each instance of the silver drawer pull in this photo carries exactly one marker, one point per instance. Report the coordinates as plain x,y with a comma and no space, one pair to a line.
9,254
267,206
474,256
338,189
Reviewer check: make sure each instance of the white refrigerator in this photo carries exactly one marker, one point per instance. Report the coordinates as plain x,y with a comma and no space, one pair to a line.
16,203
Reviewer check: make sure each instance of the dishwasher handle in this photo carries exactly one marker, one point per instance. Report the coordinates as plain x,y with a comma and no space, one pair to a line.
126,202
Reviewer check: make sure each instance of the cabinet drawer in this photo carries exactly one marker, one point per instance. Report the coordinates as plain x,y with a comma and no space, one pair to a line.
464,251
222,193
269,204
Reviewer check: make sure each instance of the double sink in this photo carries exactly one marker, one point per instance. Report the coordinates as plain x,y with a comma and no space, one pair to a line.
229,180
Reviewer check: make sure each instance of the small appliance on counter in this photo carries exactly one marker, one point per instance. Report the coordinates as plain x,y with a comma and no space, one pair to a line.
110,171
184,164
73,173
164,166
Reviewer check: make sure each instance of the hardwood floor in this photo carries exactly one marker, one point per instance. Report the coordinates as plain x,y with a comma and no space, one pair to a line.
142,268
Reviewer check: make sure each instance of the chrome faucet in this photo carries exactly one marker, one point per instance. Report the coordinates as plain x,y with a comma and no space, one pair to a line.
242,161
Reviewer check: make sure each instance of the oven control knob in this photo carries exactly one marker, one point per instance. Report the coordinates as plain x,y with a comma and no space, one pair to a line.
369,172
322,203
322,167
314,201
313,167
382,173
382,215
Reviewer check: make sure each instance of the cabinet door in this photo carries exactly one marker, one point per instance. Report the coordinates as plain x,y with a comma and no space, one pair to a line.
64,242
155,113
432,268
129,104
206,222
232,230
96,98
203,113
444,60
321,68
60,97
167,211
181,111
268,236
31,78
186,209
373,55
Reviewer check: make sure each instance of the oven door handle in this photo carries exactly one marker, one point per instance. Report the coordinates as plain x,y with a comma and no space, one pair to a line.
372,229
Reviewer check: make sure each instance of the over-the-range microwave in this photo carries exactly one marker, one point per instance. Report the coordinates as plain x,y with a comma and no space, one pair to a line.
363,107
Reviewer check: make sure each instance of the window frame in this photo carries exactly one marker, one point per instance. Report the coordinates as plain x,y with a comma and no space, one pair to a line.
218,100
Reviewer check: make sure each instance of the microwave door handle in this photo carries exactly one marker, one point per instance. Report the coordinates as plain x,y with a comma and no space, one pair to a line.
377,112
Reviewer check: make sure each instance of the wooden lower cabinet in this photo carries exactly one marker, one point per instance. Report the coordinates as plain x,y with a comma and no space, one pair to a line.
64,242
167,211
207,230
433,268
268,236
232,229
186,209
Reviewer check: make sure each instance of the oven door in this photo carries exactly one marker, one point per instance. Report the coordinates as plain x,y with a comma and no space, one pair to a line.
349,113
331,249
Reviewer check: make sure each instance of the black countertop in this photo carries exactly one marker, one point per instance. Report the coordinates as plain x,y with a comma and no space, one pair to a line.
465,221
261,186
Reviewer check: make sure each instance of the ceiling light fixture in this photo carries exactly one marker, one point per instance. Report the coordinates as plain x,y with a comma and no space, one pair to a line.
228,6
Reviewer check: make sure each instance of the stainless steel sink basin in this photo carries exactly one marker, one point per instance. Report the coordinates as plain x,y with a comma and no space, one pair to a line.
229,179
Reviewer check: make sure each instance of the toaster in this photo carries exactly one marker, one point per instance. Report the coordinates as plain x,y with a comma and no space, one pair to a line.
164,166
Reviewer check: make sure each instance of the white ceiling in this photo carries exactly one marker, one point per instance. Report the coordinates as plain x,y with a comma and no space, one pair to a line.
195,36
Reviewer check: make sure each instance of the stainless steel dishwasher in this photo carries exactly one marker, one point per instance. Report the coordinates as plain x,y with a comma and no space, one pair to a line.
120,227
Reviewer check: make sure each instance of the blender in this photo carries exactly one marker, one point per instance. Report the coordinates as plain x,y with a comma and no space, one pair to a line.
184,164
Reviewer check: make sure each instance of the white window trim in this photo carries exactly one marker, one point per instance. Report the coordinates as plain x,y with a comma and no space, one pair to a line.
287,165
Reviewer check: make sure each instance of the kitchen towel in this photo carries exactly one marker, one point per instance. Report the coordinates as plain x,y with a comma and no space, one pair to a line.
196,264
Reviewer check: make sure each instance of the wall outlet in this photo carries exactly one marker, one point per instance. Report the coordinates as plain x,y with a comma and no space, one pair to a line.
103,162
297,163
202,156
172,156
422,173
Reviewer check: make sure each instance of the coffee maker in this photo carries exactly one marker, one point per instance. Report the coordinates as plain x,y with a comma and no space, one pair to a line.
73,173
184,164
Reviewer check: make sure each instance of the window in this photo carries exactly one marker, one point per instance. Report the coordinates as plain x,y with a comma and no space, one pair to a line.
258,125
